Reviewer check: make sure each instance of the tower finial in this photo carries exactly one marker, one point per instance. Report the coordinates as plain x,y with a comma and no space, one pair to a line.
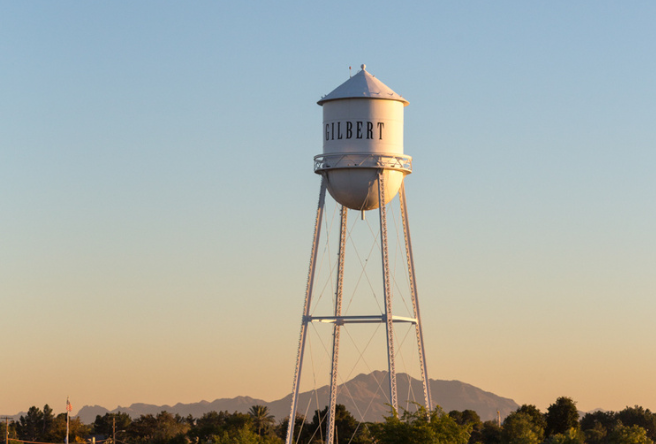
363,66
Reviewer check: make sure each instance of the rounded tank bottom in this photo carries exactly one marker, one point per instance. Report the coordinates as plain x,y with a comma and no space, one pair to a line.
357,188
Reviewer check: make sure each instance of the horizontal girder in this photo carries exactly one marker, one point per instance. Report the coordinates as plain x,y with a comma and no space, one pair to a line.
341,320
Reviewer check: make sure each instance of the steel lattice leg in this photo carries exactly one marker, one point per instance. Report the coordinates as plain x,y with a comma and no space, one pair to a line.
415,301
306,312
388,291
338,312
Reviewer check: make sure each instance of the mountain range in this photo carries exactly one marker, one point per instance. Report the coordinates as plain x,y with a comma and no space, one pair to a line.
365,396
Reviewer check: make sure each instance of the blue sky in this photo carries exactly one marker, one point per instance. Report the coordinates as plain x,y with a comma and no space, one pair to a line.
158,195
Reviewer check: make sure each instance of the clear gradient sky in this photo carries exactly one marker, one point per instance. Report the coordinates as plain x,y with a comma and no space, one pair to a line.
157,194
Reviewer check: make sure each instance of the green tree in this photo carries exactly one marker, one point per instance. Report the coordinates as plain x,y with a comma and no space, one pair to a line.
597,425
262,421
629,435
36,425
238,421
537,417
347,428
608,420
572,436
470,417
640,417
301,434
48,421
420,427
213,426
164,428
456,415
104,425
208,425
245,436
30,426
465,417
561,416
488,432
520,428
77,430
596,434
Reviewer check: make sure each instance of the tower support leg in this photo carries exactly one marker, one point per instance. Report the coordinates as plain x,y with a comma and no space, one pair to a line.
388,291
336,327
415,300
306,311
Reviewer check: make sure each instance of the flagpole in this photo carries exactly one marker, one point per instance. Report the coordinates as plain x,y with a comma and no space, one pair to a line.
68,409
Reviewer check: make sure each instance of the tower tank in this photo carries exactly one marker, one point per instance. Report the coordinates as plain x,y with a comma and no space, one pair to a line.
362,134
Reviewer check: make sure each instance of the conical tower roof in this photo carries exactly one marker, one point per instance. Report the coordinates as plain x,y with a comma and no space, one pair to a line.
363,86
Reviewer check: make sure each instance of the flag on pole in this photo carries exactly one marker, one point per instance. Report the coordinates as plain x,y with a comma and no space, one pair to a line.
69,407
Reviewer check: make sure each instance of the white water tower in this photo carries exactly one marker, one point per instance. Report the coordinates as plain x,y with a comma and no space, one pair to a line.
362,165
362,133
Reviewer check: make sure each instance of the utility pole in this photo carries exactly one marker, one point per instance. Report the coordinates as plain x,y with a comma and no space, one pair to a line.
6,418
113,429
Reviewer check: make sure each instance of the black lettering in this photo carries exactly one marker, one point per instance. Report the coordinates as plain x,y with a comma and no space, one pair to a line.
339,130
332,131
380,125
370,130
359,130
349,130
327,133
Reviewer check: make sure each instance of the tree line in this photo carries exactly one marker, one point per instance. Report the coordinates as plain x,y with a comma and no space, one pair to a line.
560,424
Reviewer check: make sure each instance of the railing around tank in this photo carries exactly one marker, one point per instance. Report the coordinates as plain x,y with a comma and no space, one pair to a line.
324,162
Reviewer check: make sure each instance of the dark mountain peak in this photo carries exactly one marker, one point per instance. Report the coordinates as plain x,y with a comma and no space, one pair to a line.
91,411
365,396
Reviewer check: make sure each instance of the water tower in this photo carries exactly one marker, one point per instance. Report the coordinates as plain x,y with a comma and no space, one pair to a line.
363,167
